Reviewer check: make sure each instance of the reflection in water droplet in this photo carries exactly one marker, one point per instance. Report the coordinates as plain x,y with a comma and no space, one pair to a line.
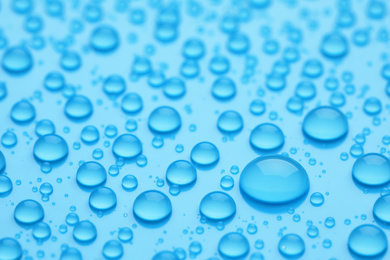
274,179
45,127
102,199
266,137
152,206
181,173
217,206
50,148
127,146
204,154
233,246
129,183
372,169
291,246
230,122
164,120
367,241
10,249
84,232
28,212
91,175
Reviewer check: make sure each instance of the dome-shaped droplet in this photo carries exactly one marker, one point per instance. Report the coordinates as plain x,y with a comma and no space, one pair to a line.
219,65
5,186
291,246
2,162
70,61
104,39
71,253
266,137
129,182
112,250
84,232
102,199
312,68
325,124
174,88
125,234
230,122
41,232
372,106
78,107
127,146
17,60
372,169
23,112
164,120
91,175
10,249
305,90
89,134
227,182
381,210
45,127
50,148
114,86
334,46
274,179
317,199
193,49
233,246
367,241
205,154
9,139
223,89
181,173
54,81
28,212
238,43
152,206
217,206
131,103
165,255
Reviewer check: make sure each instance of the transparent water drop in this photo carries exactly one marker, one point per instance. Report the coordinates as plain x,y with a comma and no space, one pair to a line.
91,175
9,139
223,89
23,112
330,222
291,246
70,61
381,210
152,206
78,107
41,232
181,173
165,255
50,148
367,241
114,86
156,79
104,39
266,137
227,182
22,6
372,106
17,60
217,206
125,235
45,127
238,43
2,162
164,119
84,232
174,88
110,131
132,103
334,46
54,81
257,107
10,249
275,82
141,66
371,169
71,253
5,186
28,212
204,154
295,105
312,231
268,179
127,146
89,134
317,199
230,122
305,90
129,183
325,124
102,200
312,68
112,250
219,65
72,219
193,49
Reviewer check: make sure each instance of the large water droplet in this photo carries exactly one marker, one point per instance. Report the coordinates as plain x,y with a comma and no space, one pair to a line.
291,246
204,154
381,210
10,249
217,206
28,212
22,112
41,232
17,60
230,122
84,232
91,175
325,124
5,186
102,200
266,137
233,246
367,241
78,107
334,46
181,173
372,169
152,206
127,146
104,39
164,120
50,148
274,179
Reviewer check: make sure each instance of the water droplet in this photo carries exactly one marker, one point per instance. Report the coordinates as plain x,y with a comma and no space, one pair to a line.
291,246
223,89
72,219
152,206
257,107
114,86
70,61
334,46
371,169
305,90
102,200
17,60
238,43
181,173
367,241
266,137
312,231
227,182
317,199
275,82
89,134
78,107
50,148
112,250
111,131
230,122
9,139
127,146
104,39
193,49
131,103
84,232
165,255
5,186
204,154
45,127
274,179
325,124
381,210
91,175
10,249
372,106
129,183
2,162
23,112
71,254
219,65
125,235
312,68
41,232
28,212
174,88
217,206
54,81
164,120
